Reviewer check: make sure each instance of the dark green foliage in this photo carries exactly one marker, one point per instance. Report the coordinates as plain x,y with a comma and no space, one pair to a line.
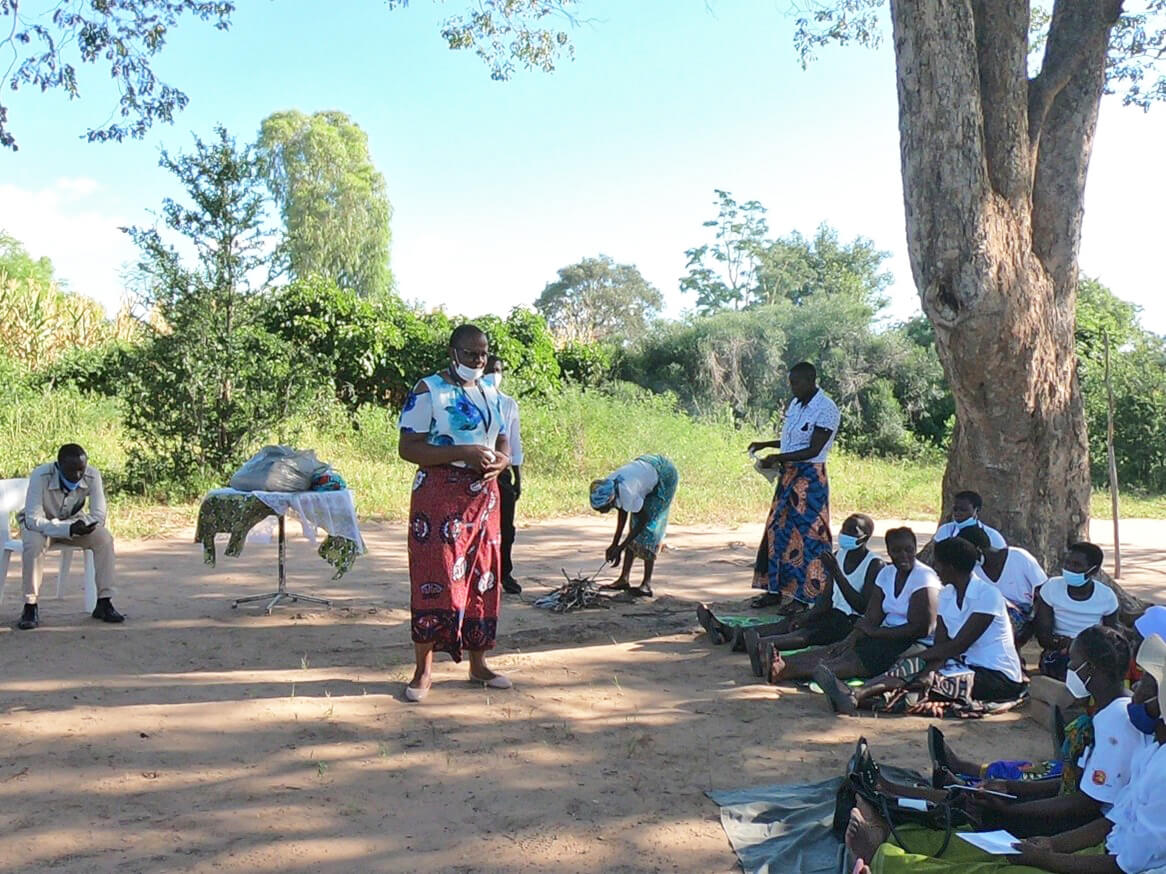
377,349
588,364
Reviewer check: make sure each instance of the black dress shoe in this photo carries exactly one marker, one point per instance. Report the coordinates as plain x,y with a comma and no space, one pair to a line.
106,612
30,618
510,586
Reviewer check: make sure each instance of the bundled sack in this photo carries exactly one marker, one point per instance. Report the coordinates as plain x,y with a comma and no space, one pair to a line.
279,469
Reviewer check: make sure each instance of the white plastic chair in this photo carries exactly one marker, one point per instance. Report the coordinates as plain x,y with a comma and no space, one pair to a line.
12,495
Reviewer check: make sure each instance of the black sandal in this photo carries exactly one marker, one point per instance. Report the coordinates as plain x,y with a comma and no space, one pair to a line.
710,624
769,599
937,749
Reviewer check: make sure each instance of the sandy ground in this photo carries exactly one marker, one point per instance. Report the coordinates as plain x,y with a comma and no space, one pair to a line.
197,737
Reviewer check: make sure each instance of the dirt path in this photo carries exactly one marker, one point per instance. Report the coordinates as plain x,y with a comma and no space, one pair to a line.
200,738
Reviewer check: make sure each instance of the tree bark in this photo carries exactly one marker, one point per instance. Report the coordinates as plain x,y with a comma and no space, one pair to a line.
993,202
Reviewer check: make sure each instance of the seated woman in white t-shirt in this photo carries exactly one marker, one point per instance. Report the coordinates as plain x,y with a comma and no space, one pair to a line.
972,631
965,514
1016,573
899,615
1067,605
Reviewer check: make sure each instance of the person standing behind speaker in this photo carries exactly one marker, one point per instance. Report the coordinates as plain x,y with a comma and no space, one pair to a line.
510,481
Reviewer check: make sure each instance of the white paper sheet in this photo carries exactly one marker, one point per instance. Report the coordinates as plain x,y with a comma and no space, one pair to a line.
998,843
913,804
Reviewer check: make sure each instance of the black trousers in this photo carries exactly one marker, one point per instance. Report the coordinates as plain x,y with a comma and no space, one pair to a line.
506,493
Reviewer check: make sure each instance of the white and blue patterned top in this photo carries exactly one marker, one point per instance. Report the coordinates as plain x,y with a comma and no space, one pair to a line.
451,415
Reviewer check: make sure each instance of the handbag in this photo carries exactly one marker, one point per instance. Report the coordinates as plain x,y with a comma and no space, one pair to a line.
861,781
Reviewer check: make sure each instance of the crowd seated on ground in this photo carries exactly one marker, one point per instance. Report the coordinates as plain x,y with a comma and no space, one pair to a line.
971,659
1114,821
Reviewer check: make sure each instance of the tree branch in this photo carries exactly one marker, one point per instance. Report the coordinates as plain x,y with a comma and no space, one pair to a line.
1078,41
1002,55
1075,31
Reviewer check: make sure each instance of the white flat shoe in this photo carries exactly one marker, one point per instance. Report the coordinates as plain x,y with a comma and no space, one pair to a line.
498,681
414,694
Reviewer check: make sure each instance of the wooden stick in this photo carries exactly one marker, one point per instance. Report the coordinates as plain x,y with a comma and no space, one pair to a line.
1113,496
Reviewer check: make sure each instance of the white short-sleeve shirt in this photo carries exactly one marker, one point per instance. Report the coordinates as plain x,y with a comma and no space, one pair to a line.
1138,836
1106,766
634,482
948,530
1071,617
513,431
895,607
1021,576
994,649
797,430
856,578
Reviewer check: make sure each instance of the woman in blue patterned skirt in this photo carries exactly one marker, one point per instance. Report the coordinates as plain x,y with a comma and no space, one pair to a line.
643,488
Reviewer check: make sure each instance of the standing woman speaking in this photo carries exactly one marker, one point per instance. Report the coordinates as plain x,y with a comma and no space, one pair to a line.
452,429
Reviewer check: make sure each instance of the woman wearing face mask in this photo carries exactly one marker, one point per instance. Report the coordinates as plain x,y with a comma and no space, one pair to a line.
1126,834
899,614
453,429
644,489
1070,603
1016,573
853,569
965,513
972,637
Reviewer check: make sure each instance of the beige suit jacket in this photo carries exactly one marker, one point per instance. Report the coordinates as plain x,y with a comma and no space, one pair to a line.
51,511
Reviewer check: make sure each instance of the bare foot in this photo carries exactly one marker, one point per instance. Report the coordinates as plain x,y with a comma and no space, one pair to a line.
776,664
865,832
618,584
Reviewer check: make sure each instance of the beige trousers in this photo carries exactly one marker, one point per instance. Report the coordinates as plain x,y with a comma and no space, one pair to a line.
99,542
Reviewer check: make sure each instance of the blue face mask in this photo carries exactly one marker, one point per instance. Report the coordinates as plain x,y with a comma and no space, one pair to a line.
847,543
969,522
67,484
1140,718
1073,578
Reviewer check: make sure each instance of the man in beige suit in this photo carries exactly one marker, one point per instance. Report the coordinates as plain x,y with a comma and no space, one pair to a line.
54,513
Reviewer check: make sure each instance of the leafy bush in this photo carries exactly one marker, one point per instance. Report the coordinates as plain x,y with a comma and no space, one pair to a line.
588,364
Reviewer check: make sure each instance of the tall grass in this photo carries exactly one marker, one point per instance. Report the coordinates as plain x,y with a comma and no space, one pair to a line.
569,439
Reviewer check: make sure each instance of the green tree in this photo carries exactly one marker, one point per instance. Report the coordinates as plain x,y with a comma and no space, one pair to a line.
210,382
794,268
333,200
597,299
725,273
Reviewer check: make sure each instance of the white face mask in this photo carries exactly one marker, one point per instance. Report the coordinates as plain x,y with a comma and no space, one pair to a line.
1075,684
467,374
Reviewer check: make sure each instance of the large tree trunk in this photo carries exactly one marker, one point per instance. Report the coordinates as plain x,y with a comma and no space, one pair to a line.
993,177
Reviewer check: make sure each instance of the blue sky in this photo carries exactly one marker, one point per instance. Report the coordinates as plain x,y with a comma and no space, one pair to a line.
497,185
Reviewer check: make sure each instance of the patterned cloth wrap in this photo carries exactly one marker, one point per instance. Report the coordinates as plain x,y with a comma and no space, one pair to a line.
455,559
797,534
657,506
237,514
955,689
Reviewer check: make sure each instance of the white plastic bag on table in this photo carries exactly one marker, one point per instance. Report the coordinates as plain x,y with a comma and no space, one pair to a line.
278,469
